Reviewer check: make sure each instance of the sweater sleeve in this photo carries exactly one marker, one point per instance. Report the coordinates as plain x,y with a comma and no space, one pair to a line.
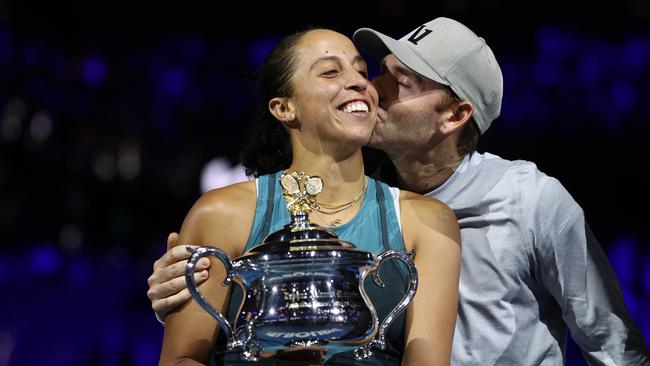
570,263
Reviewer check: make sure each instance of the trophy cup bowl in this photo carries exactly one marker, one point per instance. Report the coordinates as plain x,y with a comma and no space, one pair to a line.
303,287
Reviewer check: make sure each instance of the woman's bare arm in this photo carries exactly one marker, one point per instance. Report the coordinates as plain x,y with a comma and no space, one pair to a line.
430,227
221,218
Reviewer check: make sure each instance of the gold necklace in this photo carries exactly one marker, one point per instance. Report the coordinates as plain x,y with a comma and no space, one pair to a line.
336,222
329,209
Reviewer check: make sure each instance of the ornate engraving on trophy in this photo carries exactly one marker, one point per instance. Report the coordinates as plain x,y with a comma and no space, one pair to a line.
300,191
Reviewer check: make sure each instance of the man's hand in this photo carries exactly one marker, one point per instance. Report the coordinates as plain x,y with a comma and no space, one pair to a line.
167,287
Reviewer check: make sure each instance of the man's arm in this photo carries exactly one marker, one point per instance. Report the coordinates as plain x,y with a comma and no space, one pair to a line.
167,286
573,267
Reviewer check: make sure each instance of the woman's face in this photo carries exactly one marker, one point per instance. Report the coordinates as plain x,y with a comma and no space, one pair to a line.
334,101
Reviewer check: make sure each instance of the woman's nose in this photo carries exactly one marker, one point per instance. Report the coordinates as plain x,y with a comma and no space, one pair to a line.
357,82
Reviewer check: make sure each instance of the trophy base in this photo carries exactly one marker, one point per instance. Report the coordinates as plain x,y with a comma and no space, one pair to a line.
316,356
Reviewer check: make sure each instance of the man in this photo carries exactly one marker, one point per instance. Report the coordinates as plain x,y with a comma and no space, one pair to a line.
531,267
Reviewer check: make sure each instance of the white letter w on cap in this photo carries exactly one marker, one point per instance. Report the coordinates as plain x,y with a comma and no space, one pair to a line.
416,36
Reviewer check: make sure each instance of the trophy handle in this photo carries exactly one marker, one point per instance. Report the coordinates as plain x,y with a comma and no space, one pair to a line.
379,340
194,291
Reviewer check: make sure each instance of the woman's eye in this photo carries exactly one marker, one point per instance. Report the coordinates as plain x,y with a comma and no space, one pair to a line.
331,73
363,73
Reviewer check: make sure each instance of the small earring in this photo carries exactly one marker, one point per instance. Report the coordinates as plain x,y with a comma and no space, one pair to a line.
289,122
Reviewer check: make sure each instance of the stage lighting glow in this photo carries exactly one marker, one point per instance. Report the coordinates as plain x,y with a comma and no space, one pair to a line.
128,159
622,253
623,95
259,49
175,81
219,173
93,71
41,126
70,237
45,260
104,166
7,344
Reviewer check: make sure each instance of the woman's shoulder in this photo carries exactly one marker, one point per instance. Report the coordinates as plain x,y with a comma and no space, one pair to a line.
228,199
422,202
418,210
222,215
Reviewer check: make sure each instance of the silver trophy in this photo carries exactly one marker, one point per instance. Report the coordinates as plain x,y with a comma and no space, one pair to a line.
303,287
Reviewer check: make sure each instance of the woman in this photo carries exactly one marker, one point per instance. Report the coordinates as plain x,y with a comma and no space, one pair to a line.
314,85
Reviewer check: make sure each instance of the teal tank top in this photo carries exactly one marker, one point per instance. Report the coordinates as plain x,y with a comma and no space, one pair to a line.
375,228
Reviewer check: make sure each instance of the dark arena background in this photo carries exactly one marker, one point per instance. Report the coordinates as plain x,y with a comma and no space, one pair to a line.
116,115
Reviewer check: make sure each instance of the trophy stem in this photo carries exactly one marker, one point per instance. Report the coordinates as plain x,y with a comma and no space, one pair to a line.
300,221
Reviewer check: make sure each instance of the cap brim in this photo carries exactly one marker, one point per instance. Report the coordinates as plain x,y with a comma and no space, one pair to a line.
380,45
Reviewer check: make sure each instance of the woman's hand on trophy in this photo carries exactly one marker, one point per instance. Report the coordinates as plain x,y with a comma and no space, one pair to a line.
167,287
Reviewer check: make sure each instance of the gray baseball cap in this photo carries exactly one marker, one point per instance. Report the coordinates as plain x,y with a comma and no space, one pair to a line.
449,53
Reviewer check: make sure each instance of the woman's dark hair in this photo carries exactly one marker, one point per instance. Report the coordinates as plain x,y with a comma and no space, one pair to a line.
269,148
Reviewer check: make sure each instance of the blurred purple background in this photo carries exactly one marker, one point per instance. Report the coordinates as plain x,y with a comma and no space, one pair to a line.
115,115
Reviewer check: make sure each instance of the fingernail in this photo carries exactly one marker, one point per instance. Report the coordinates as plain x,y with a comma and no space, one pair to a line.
203,274
204,262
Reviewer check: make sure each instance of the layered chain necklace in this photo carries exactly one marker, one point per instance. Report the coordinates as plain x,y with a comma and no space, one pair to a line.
329,209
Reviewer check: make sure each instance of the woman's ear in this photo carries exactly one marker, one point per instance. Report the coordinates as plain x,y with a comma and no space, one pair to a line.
462,112
283,111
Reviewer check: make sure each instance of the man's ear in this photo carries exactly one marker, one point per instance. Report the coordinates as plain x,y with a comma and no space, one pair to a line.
461,114
283,111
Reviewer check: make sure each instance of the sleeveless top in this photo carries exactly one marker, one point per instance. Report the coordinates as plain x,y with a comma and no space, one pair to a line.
375,228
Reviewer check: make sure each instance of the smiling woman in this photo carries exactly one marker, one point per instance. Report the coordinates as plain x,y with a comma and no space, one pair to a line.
317,109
